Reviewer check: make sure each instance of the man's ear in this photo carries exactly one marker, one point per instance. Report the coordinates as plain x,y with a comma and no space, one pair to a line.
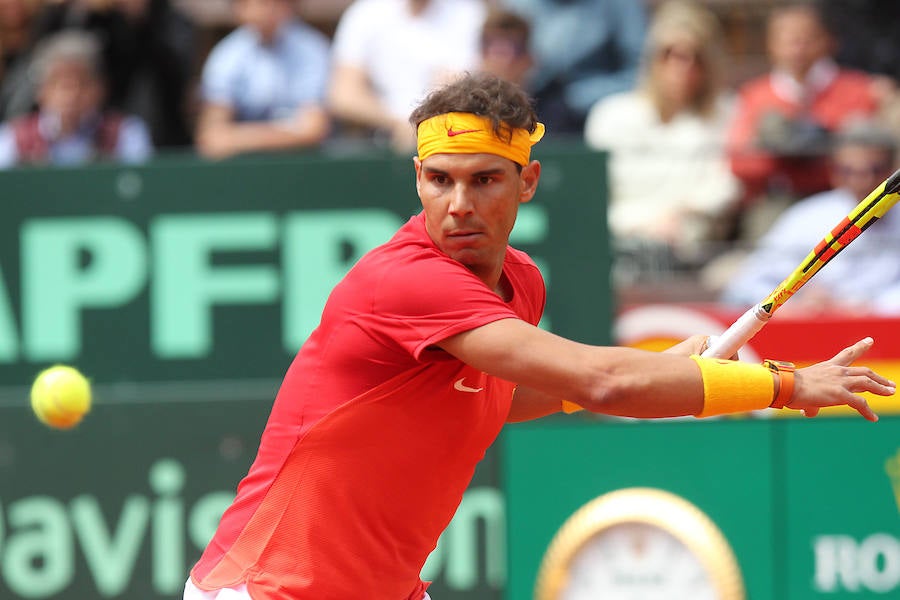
418,165
530,175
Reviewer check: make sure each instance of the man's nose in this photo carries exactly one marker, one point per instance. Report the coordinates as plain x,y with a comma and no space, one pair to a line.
460,202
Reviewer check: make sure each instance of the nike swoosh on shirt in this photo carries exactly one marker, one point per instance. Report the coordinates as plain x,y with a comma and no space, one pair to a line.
452,133
460,386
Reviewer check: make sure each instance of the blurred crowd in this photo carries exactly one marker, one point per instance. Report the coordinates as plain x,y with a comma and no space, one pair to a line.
700,159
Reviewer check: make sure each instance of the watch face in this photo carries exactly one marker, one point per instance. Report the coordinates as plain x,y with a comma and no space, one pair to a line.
639,544
636,561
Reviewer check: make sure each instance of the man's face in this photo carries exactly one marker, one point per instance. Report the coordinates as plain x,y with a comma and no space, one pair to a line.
507,58
71,91
471,202
859,168
265,16
796,41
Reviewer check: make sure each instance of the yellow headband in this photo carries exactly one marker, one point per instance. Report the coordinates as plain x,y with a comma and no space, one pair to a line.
466,133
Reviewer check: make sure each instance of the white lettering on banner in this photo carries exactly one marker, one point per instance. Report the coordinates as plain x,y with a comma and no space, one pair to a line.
457,553
70,265
56,286
43,539
38,551
843,564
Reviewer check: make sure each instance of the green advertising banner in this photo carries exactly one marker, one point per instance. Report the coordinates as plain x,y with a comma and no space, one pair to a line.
183,289
842,533
123,505
809,507
173,271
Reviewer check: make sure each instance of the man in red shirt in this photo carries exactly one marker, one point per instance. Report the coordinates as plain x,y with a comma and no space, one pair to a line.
779,139
425,349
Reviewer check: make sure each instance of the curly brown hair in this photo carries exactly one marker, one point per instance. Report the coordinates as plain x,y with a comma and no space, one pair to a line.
505,104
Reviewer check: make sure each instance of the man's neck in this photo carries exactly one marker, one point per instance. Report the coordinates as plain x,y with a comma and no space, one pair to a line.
494,279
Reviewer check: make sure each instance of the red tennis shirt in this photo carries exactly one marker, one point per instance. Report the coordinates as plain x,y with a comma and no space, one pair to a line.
374,434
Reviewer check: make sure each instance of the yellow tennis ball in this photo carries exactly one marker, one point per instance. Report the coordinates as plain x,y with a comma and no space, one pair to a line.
60,396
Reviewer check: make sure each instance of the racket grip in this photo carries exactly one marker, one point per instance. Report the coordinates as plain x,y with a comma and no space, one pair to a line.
740,332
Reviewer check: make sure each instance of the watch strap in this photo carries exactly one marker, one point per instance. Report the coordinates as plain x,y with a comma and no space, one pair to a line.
784,376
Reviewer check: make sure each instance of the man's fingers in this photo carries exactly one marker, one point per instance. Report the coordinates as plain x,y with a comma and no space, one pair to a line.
848,355
858,404
839,383
869,381
863,408
864,379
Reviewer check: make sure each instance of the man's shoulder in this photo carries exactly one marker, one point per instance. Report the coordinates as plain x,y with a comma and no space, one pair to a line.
464,8
234,46
853,84
514,256
365,9
822,208
298,33
410,243
848,76
837,199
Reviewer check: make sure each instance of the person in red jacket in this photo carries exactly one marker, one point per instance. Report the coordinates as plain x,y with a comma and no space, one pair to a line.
778,141
425,349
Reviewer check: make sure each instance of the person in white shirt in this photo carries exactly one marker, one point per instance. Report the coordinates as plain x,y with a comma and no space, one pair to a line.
388,54
670,185
865,277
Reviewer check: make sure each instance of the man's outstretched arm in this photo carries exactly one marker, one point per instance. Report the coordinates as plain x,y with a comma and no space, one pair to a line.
636,383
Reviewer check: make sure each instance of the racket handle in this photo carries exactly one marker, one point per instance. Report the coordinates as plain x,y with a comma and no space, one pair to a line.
740,332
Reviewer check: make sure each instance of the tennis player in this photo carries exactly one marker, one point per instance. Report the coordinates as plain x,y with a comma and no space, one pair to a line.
425,349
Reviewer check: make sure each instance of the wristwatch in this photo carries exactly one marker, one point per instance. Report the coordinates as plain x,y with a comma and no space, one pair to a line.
784,372
639,543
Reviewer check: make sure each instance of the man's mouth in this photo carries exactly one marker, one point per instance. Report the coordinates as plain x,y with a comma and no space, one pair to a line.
463,233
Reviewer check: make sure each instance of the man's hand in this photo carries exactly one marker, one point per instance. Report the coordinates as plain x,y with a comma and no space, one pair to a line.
696,344
835,382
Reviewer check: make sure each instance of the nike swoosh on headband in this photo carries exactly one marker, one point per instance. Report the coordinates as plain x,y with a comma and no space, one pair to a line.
452,133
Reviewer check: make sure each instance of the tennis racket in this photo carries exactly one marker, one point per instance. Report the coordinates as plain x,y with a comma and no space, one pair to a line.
869,210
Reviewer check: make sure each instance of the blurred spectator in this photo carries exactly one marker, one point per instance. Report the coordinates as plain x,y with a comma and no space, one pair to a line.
670,185
15,25
779,138
506,46
388,54
70,127
584,50
148,51
154,68
15,36
865,277
264,84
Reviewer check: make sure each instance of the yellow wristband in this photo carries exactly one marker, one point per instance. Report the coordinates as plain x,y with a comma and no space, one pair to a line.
732,387
570,407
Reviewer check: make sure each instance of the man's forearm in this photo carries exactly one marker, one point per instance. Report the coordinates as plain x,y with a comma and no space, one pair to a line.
529,404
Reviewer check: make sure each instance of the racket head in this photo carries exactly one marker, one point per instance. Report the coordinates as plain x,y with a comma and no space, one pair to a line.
864,214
